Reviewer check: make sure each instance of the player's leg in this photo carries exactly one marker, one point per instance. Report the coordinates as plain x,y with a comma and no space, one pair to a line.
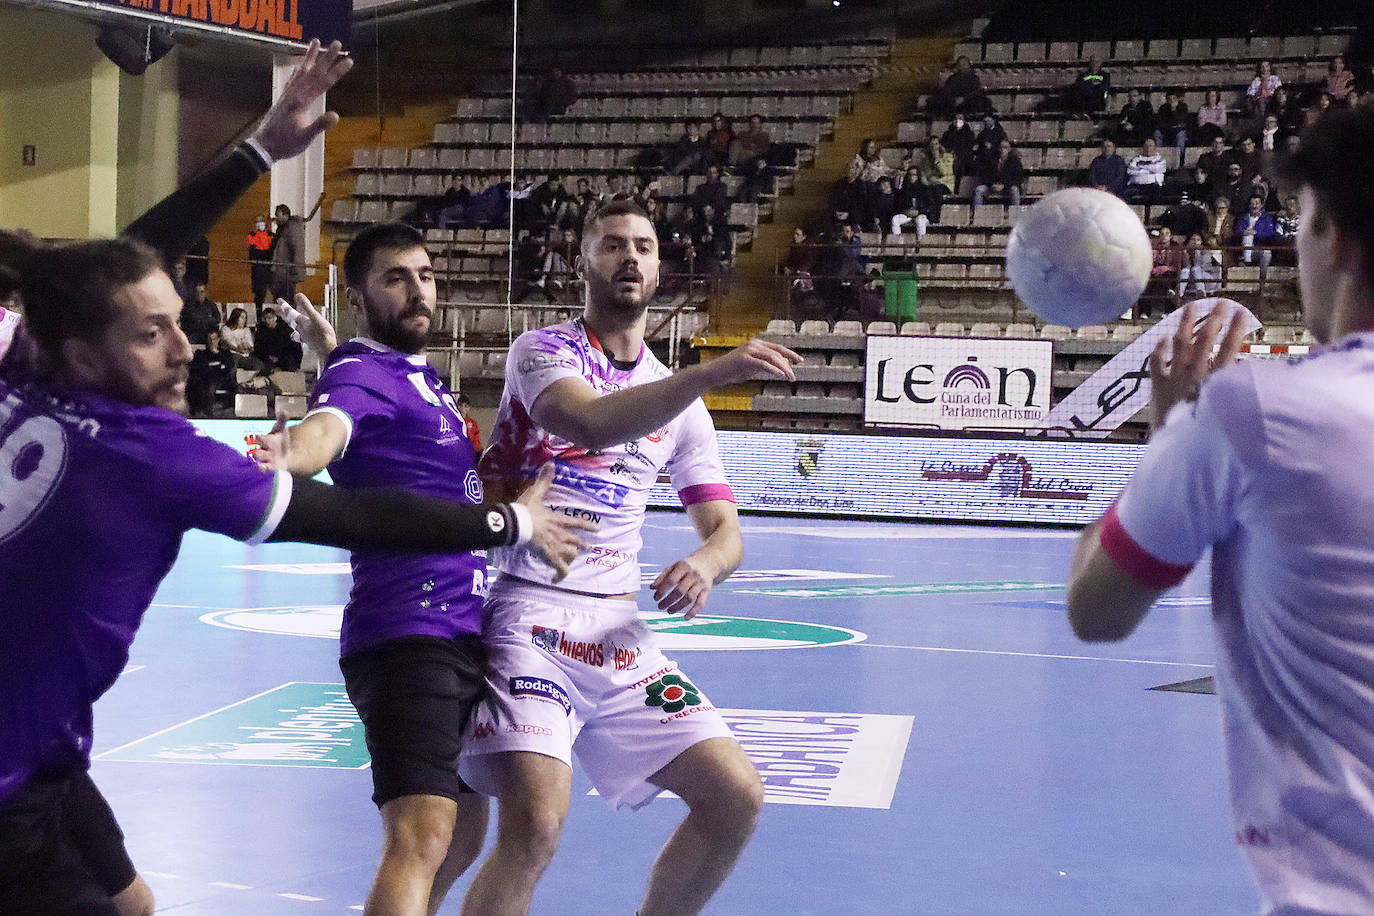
136,899
41,869
723,793
469,832
533,792
93,831
417,831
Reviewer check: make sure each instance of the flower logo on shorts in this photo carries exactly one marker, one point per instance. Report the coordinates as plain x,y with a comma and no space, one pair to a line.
673,692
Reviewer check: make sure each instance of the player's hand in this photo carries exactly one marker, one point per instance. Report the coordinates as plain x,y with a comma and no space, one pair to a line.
308,325
683,587
289,127
1179,364
271,450
755,360
555,536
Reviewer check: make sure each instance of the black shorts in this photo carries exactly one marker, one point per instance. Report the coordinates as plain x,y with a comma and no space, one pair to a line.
61,850
414,696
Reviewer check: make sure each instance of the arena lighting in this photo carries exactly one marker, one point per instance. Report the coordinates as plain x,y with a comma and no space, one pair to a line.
134,49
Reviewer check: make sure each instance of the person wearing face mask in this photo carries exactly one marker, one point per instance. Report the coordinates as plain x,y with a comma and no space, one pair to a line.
260,256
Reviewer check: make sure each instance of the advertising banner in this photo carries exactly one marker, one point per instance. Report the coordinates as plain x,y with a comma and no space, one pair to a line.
957,382
295,21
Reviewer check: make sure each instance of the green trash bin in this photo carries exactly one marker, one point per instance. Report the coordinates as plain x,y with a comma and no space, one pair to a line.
900,292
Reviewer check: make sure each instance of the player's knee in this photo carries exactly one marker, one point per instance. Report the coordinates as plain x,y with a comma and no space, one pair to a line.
532,833
136,899
733,809
422,839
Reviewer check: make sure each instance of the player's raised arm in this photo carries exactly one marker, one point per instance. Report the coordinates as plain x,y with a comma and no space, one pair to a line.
569,408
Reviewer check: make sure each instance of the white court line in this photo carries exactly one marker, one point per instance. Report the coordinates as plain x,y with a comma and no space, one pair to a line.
302,897
189,721
162,874
231,886
883,532
1080,658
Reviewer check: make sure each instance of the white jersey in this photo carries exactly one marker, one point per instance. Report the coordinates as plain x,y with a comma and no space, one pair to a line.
9,323
610,486
1271,468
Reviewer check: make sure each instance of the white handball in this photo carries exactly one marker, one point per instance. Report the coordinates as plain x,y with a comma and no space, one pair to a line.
1078,257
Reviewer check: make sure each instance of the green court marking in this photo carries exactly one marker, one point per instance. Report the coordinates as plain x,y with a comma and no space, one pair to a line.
710,632
884,591
294,725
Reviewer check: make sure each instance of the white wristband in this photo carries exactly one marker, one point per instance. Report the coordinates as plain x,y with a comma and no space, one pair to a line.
257,148
524,524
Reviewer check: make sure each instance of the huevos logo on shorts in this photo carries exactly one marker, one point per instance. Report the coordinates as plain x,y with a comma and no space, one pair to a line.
540,689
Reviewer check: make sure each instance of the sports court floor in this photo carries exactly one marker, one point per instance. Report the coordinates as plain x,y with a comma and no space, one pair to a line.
934,739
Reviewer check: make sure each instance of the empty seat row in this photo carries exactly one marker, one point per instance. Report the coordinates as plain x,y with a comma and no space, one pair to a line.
1254,48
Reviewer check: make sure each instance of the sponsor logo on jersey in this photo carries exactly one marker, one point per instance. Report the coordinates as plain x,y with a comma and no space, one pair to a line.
577,512
546,638
607,558
689,711
672,692
520,728
540,689
538,362
653,677
626,658
603,491
588,653
472,486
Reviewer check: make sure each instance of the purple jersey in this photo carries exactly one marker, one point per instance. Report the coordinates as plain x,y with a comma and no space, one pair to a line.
94,498
404,430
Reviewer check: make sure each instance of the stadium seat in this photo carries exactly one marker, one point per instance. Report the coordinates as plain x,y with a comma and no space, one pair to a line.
848,329
880,327
814,327
293,405
290,382
985,329
781,326
1055,332
949,329
915,329
1093,332
250,406
810,390
1021,330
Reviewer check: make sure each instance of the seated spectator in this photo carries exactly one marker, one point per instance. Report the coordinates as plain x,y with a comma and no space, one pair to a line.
557,255
1165,270
545,202
1286,231
1271,135
451,205
1211,119
490,206
712,192
1136,121
801,260
750,145
572,212
1216,159
912,203
1255,229
1003,177
840,270
1221,225
1087,94
1267,192
846,198
1190,214
1172,122
237,338
712,244
937,168
883,207
273,344
688,154
200,315
1251,162
1286,109
1262,88
991,133
960,140
718,139
1201,271
1325,103
210,381
961,92
1339,81
1235,188
553,95
1107,172
866,168
1145,174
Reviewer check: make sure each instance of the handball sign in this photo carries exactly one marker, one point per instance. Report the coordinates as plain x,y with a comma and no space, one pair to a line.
957,382
295,21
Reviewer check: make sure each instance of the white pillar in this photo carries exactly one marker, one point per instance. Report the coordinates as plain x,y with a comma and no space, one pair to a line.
299,181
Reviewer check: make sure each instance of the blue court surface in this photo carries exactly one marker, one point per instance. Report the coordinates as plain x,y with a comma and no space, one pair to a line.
933,738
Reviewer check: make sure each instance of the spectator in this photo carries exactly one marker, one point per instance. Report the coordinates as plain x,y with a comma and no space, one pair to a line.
1171,123
712,244
237,338
992,132
937,169
962,92
1145,174
1190,215
553,95
273,345
712,192
840,271
451,206
198,263
1269,194
866,168
1216,159
1251,162
210,378
1255,229
1235,188
1339,81
1002,177
1211,118
883,207
1286,231
260,260
911,203
1287,110
1107,172
200,315
1165,270
1221,225
1271,134
470,427
1324,104
546,201
718,139
750,145
1136,121
288,253
1262,88
553,269
960,140
1087,94
688,154
801,260
1201,272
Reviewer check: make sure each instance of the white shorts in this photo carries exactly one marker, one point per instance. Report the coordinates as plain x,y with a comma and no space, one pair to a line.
568,672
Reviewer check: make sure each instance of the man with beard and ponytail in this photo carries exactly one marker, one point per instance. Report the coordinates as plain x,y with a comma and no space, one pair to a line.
410,643
570,664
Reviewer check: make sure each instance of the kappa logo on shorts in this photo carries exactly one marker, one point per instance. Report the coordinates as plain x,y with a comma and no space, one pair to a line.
540,689
546,638
483,730
673,692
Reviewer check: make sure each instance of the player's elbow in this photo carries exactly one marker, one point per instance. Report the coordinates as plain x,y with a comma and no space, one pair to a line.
1097,617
